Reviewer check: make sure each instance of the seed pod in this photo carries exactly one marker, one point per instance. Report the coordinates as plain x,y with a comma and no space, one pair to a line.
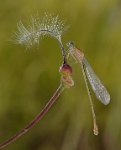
67,81
65,70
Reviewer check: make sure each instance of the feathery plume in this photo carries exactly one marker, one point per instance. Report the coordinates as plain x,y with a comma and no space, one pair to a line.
47,25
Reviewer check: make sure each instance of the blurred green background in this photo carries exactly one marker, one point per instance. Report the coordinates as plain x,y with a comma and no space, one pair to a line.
28,78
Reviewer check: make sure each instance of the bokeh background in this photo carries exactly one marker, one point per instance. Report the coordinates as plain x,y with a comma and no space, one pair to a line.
28,78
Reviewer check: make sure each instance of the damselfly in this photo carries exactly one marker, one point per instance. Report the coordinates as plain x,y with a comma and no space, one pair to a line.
88,73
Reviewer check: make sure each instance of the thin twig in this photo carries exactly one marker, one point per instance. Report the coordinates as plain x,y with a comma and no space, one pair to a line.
63,51
61,46
35,120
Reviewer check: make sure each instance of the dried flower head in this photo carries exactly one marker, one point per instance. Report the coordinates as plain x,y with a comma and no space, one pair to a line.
31,34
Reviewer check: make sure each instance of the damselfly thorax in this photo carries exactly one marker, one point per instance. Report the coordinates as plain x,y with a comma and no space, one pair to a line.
76,53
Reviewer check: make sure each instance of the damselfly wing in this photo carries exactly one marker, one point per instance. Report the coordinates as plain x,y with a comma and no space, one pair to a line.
97,86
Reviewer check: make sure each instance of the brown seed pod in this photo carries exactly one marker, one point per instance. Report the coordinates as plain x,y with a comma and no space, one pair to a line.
67,81
65,69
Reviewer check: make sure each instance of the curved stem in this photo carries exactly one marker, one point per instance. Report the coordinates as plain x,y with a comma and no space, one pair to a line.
63,52
35,120
61,45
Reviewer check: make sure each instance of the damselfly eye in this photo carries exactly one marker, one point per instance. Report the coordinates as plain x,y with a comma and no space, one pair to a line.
69,44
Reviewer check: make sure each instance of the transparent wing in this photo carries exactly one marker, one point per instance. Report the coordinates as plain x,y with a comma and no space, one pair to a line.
98,88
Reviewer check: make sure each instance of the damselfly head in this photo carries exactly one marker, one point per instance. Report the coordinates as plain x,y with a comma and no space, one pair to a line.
70,44
75,52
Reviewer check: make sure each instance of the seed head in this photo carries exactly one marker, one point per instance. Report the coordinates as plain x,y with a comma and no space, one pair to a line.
47,25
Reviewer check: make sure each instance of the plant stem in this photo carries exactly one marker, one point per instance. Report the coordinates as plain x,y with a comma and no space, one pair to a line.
63,51
61,46
35,120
